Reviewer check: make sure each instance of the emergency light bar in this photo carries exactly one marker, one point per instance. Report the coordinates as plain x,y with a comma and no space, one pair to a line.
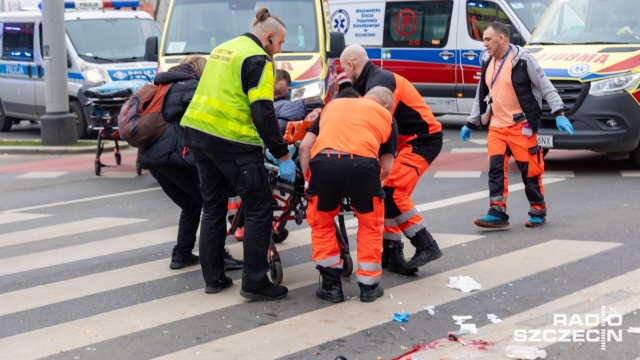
99,5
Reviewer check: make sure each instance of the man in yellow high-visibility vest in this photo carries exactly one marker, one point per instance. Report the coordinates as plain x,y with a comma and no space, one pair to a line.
227,124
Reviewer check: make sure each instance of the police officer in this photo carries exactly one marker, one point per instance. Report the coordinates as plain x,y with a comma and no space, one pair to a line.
349,143
226,124
419,143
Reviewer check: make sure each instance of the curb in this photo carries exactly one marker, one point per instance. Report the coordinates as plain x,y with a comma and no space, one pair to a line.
57,150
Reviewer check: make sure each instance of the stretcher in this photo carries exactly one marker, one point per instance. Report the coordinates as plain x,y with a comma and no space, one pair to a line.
105,102
290,204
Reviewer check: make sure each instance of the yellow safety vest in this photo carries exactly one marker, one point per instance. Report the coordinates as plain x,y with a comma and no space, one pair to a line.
219,106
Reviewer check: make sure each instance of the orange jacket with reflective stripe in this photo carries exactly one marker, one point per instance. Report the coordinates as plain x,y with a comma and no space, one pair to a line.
412,114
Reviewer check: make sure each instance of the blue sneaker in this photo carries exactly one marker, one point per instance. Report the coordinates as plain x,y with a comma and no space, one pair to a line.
535,221
490,221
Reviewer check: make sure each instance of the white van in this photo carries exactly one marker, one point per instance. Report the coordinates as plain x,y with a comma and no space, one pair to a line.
102,45
435,44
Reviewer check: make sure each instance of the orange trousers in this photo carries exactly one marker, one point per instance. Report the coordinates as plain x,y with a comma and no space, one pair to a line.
503,143
359,179
414,157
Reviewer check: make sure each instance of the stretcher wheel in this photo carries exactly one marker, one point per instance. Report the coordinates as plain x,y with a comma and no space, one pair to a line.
118,158
97,168
275,271
299,216
280,237
347,264
138,167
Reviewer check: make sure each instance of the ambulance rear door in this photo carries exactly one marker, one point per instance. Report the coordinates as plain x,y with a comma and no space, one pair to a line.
419,43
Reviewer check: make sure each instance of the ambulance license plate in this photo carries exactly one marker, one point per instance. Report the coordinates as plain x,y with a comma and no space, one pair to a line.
545,141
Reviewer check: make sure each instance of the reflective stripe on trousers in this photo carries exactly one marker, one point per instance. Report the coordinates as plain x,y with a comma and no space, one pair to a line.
369,240
502,144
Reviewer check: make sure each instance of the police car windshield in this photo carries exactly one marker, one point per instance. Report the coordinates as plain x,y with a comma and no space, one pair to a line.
585,22
197,26
111,40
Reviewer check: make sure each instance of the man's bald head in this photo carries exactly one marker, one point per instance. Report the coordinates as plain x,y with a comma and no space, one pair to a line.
382,95
353,59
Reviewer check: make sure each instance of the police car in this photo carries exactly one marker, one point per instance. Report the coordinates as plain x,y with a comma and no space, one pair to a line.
102,46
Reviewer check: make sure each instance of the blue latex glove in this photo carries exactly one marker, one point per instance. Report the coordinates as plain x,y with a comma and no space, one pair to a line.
287,170
564,124
465,133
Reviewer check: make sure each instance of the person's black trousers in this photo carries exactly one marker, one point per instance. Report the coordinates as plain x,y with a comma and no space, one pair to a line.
181,185
248,177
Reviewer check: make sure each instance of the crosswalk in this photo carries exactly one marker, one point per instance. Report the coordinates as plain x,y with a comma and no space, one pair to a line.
39,321
454,163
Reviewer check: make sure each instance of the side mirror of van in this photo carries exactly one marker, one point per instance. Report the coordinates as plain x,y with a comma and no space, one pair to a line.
336,44
151,49
514,36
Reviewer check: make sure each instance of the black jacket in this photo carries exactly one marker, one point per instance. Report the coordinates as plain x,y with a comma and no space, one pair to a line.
168,149
530,84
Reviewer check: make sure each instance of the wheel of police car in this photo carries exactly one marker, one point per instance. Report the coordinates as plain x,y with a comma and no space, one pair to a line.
81,121
5,122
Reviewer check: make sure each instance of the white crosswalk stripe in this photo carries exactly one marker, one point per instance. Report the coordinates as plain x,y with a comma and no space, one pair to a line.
6,218
315,327
66,229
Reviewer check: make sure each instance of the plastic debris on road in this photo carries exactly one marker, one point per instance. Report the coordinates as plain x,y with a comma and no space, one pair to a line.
493,318
401,317
431,309
467,329
524,352
464,283
459,319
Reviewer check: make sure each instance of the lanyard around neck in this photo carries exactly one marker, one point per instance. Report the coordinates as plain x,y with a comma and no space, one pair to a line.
504,60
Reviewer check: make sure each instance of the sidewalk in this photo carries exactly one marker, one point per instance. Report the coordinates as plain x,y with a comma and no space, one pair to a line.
60,150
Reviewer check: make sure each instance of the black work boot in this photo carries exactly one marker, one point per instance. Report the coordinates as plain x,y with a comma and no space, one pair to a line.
385,254
396,260
427,250
369,293
330,288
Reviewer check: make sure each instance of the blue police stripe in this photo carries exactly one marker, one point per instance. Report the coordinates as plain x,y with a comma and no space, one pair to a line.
130,74
16,70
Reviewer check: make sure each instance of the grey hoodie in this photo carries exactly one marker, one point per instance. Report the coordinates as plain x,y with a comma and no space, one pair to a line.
541,86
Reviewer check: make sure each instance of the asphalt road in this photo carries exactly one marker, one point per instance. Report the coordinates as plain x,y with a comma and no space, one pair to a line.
84,270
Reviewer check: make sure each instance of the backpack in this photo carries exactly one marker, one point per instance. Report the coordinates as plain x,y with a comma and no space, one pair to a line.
140,120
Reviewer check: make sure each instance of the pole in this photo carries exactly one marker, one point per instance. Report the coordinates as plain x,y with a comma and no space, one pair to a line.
58,126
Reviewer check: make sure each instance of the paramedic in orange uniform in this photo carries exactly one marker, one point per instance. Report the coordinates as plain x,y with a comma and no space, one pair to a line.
348,145
509,97
419,143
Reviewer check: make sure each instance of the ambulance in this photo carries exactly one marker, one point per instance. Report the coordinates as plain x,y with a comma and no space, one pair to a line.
197,26
102,46
435,44
590,49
